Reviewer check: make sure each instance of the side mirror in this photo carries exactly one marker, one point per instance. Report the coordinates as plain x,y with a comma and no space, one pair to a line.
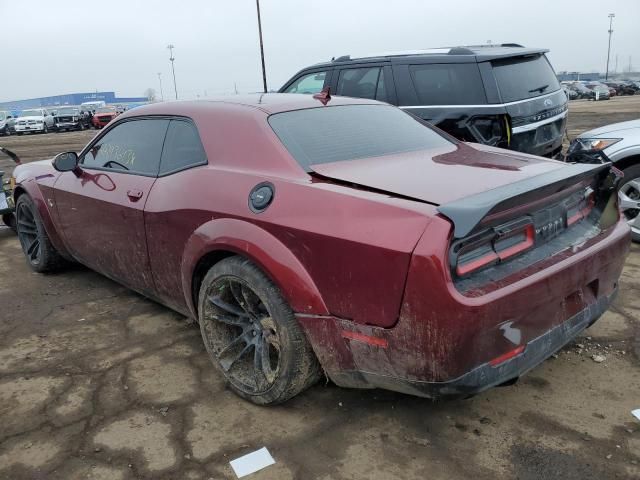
66,162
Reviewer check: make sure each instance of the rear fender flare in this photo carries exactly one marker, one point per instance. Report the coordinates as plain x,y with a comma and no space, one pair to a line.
262,248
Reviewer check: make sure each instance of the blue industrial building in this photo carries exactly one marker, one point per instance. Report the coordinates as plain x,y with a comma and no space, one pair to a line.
69,99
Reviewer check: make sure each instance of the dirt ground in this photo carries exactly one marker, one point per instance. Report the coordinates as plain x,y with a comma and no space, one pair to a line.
97,382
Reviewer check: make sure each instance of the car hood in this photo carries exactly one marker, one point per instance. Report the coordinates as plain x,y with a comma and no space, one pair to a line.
439,176
105,114
611,129
31,117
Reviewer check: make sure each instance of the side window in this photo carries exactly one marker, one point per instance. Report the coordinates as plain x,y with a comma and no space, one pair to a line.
359,82
182,148
133,146
448,84
309,84
381,92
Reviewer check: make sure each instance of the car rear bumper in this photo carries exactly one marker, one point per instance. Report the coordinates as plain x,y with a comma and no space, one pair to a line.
487,375
449,344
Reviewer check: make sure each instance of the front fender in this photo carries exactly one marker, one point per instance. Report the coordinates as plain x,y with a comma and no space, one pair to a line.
33,186
261,247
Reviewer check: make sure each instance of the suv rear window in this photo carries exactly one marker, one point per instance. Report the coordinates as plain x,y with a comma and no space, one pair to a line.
347,132
448,84
522,78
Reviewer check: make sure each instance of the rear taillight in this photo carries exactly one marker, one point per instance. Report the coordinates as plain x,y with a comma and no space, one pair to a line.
493,246
581,208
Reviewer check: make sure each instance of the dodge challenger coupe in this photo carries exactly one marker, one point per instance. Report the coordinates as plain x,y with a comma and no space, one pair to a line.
309,234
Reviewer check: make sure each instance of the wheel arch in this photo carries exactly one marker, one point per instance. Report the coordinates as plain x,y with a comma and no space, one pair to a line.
221,238
30,188
627,162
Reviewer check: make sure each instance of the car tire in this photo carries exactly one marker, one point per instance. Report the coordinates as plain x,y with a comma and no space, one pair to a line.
41,255
45,129
252,335
632,192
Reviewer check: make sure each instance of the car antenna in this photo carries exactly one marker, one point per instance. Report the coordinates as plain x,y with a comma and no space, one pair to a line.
324,96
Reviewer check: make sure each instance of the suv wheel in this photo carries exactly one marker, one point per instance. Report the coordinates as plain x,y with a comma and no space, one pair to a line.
252,335
629,194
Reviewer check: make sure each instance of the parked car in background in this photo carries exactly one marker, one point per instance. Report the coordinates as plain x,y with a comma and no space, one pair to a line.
34,120
7,123
103,115
623,88
620,144
71,118
454,267
570,93
599,91
500,95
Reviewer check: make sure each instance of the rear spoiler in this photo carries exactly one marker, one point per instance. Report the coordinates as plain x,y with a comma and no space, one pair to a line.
466,213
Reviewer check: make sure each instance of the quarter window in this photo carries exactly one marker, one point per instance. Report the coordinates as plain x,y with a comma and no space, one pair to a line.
309,84
133,146
182,148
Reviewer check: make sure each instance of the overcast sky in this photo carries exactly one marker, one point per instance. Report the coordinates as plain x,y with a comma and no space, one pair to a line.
52,48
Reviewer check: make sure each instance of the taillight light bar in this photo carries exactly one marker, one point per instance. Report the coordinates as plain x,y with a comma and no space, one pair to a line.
582,209
493,246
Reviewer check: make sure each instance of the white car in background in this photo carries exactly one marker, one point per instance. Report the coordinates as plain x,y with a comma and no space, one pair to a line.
620,144
34,120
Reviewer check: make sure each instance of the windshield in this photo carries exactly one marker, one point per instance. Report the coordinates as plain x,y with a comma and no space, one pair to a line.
106,110
31,113
68,111
524,77
334,134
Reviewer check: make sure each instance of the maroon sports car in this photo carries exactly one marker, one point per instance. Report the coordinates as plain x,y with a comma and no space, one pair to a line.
311,234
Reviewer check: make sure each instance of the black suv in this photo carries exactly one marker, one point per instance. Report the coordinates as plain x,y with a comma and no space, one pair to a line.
502,95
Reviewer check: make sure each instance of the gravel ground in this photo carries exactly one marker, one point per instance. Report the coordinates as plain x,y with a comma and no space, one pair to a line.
98,382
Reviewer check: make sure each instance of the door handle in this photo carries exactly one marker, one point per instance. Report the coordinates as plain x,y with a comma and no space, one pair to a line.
134,194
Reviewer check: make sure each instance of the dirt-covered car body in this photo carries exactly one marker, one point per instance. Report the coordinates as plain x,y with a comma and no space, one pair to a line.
443,268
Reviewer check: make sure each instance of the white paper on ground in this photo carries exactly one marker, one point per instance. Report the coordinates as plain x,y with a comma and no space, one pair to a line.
3,200
636,413
252,462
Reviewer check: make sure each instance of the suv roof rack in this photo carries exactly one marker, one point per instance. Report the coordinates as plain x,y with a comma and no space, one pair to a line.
459,50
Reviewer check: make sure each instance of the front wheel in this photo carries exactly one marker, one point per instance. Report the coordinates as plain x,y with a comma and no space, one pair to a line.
41,255
252,335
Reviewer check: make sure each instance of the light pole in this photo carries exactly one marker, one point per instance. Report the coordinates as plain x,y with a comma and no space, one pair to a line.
161,92
611,16
264,73
173,70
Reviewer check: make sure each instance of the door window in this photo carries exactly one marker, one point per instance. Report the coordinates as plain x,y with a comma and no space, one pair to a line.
182,148
309,84
362,83
132,146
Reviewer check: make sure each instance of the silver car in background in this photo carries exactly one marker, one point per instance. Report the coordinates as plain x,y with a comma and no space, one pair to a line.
620,144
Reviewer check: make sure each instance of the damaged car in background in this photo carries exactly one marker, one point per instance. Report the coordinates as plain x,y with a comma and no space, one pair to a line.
71,118
618,143
502,95
313,234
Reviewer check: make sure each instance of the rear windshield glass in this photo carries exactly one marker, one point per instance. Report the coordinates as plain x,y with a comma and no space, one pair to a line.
333,134
448,84
522,78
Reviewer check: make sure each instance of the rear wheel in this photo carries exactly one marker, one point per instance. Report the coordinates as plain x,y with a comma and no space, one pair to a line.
629,197
252,335
40,253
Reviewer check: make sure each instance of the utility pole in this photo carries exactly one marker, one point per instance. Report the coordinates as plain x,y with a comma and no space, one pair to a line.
161,92
173,70
611,16
264,73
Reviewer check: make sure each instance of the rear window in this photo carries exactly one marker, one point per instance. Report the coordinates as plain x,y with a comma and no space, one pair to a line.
448,84
522,78
334,134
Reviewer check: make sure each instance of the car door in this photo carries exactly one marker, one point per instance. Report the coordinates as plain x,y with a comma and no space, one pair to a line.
100,208
169,217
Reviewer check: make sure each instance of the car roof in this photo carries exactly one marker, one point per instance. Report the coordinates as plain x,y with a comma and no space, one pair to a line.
463,54
268,103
